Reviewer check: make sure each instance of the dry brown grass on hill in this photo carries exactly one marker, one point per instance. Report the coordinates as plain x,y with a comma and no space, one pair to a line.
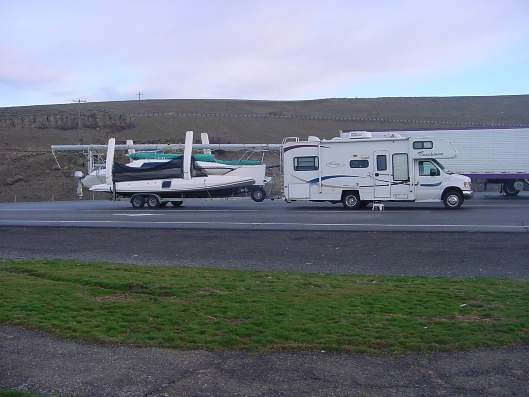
29,172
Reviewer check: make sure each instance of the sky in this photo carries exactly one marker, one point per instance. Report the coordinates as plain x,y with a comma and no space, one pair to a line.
55,51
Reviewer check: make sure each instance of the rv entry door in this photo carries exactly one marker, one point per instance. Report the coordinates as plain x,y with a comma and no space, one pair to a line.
381,175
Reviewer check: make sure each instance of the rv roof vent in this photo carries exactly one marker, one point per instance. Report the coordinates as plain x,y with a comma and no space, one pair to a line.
313,138
355,134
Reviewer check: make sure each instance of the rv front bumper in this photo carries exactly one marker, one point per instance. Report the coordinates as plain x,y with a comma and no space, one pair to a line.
468,194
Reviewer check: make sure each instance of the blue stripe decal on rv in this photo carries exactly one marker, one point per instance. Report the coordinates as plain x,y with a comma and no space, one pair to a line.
431,184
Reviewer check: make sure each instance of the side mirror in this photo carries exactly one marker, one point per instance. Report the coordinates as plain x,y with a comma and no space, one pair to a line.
434,172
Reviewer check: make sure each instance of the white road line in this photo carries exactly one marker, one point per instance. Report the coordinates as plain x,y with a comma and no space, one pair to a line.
139,214
468,226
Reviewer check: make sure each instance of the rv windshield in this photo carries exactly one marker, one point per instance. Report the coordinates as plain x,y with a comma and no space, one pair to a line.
441,166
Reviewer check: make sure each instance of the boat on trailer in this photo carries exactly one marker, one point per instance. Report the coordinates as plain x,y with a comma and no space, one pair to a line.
151,158
174,179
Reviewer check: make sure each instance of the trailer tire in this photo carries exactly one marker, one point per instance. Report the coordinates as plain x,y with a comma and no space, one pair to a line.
351,200
453,200
137,201
509,189
258,195
153,201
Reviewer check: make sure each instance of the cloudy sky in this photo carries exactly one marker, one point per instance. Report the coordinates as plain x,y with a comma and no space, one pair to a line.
55,51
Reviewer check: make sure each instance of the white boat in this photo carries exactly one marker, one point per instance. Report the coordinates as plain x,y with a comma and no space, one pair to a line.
174,179
205,161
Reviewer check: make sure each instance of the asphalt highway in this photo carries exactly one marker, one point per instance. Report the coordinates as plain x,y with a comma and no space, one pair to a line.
486,213
488,236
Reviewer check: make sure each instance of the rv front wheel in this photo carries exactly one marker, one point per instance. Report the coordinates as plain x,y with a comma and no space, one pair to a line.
453,200
351,200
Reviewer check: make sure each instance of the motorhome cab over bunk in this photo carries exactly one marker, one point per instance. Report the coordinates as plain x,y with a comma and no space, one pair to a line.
358,168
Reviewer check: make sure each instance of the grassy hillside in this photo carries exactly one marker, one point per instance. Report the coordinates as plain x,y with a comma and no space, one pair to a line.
29,171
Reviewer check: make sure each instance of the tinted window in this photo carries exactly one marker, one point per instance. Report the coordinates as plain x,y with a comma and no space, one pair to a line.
382,162
423,145
359,163
307,163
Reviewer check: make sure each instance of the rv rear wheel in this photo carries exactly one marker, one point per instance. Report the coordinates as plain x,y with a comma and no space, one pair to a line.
453,200
177,203
351,200
137,201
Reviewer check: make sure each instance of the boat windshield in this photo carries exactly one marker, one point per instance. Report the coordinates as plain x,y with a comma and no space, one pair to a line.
442,167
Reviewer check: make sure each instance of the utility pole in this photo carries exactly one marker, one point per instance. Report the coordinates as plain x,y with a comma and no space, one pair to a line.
79,119
139,94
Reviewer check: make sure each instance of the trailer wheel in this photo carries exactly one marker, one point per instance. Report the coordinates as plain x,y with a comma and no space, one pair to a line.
153,201
509,189
351,200
177,203
258,195
137,201
453,200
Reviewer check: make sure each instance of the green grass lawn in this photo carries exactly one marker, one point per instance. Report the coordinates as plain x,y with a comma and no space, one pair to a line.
192,308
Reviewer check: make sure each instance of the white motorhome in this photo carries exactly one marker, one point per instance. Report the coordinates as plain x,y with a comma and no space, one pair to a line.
358,168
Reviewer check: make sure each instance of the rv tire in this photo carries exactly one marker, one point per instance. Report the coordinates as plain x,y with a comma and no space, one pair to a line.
351,200
453,200
258,195
177,203
153,201
137,201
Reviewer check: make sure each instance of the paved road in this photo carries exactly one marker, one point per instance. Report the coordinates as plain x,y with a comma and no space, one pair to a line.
310,237
488,213
487,236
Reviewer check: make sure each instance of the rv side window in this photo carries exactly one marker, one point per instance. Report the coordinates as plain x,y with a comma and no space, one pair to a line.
307,163
423,145
359,163
400,167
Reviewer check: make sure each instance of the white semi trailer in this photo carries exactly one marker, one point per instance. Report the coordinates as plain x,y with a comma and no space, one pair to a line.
499,156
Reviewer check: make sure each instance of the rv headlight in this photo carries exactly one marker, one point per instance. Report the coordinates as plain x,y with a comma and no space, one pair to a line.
468,185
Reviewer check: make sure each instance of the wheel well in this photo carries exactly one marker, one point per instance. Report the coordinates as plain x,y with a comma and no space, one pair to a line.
451,189
346,192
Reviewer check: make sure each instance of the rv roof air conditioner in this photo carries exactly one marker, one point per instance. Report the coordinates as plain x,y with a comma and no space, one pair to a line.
355,135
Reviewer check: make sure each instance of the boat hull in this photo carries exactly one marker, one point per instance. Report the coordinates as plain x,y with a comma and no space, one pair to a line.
196,187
